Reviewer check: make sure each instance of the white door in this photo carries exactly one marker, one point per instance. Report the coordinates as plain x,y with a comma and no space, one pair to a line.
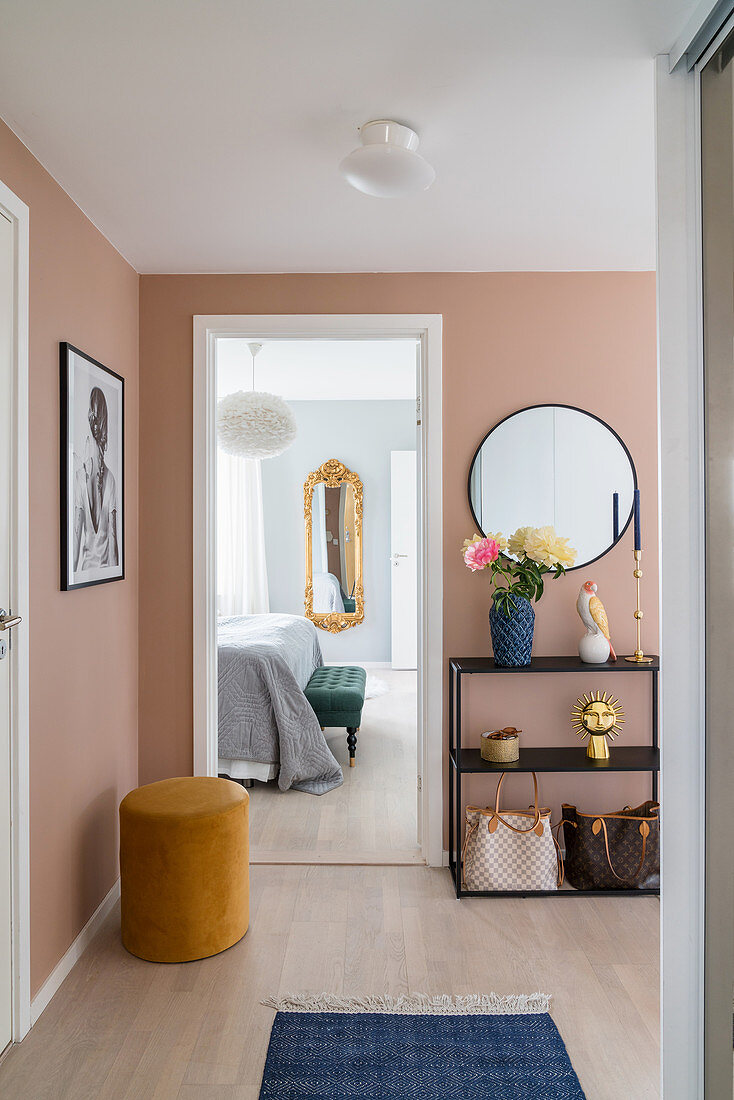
404,558
6,395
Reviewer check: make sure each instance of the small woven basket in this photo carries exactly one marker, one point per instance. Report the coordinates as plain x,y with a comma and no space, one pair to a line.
502,746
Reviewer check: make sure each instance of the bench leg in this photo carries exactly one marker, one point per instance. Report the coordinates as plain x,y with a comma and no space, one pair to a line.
352,732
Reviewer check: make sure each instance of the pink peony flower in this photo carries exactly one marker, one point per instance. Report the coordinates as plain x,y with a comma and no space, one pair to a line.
478,555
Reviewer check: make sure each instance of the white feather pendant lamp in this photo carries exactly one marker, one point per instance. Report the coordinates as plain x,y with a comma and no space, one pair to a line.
253,424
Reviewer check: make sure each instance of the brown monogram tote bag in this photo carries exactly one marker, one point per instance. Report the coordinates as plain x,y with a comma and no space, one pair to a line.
619,851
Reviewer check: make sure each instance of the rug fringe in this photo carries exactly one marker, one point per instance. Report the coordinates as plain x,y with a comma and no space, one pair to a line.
490,1004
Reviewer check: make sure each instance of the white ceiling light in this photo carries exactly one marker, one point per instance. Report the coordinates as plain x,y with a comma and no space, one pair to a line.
387,164
252,424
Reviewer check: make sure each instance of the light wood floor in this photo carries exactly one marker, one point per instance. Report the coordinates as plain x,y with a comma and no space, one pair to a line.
120,1028
372,817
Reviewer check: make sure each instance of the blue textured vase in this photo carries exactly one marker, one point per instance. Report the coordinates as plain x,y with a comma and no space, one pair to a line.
512,638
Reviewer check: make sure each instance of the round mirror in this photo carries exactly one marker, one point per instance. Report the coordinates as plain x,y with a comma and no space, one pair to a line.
557,465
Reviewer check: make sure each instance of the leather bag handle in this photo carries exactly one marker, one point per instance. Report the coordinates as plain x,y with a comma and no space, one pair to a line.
469,833
559,855
643,830
497,816
559,862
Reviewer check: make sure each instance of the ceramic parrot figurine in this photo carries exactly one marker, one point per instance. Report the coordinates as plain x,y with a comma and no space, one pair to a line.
596,645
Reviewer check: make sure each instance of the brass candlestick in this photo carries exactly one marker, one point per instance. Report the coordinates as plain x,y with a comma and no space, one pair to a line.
639,657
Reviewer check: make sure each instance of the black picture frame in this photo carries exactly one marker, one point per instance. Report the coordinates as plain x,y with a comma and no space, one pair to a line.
573,408
80,375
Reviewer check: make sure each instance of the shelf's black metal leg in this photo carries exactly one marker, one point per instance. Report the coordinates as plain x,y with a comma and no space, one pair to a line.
458,783
451,776
655,734
451,707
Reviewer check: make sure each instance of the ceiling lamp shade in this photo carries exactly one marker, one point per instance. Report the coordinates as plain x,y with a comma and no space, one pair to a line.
387,164
253,424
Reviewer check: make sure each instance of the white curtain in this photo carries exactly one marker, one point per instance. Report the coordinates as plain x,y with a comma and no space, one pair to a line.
242,576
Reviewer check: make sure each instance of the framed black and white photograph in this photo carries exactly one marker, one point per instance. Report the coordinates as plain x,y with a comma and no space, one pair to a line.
92,471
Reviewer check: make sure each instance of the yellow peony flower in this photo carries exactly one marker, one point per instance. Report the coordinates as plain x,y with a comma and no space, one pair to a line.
498,538
517,541
545,547
565,554
469,542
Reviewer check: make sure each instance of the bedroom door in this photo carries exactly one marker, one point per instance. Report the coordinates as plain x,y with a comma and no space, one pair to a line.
404,559
6,467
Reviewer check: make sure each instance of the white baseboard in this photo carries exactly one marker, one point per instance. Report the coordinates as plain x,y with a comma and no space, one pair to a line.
75,952
362,664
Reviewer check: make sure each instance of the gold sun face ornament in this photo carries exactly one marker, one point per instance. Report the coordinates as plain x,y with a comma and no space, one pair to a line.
597,716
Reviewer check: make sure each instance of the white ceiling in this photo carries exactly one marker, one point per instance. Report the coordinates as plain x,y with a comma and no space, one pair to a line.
205,136
320,370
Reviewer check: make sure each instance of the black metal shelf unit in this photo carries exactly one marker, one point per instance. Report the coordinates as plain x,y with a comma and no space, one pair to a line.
626,758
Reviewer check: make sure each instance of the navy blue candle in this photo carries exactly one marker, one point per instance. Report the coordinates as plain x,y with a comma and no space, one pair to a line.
638,536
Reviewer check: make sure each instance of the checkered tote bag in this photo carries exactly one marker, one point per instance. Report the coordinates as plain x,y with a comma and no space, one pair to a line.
514,850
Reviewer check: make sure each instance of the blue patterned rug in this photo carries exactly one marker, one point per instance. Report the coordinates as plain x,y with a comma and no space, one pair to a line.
434,1055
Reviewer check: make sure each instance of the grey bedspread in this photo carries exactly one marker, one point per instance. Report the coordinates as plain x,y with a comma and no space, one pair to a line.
265,661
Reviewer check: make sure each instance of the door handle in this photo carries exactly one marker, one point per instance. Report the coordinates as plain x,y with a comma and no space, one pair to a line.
7,621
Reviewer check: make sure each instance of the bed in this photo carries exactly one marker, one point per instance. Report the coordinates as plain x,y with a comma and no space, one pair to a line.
327,593
266,724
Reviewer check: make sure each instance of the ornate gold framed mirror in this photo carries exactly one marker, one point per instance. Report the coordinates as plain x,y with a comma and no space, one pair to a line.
332,510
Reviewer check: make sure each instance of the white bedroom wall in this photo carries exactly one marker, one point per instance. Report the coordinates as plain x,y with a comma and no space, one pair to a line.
361,434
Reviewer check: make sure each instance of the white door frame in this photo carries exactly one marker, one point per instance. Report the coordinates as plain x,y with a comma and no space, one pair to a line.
17,212
426,328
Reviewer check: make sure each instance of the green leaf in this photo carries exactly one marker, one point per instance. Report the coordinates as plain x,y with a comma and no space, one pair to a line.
512,579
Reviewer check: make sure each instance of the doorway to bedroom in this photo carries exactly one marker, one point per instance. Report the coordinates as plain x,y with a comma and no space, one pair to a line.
317,575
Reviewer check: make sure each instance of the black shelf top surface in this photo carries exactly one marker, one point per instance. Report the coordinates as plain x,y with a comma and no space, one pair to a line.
551,664
622,758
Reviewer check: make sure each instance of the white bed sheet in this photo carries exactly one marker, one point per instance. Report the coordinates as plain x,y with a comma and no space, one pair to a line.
247,769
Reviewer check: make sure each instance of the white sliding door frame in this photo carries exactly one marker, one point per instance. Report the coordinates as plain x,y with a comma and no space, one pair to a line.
692,1067
17,212
682,465
427,329
717,914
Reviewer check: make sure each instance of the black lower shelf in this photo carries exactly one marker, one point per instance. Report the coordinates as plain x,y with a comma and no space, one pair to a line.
622,758
564,892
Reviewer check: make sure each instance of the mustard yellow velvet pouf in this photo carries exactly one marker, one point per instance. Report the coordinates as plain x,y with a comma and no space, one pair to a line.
184,868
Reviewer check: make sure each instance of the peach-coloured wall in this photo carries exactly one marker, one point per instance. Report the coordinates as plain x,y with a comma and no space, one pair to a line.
83,645
510,340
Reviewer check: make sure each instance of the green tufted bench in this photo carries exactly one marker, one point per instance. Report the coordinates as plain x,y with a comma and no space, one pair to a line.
336,693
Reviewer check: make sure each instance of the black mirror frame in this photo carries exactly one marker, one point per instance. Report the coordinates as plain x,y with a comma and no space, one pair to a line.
573,408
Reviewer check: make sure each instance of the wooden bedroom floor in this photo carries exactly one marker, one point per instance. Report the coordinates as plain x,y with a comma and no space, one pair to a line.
371,818
123,1029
